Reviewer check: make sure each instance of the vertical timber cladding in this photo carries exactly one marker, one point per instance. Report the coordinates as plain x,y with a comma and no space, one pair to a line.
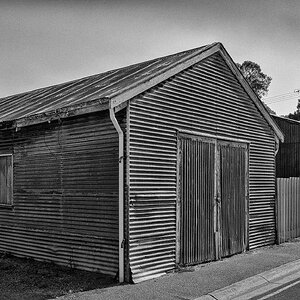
206,98
65,194
233,195
196,198
212,198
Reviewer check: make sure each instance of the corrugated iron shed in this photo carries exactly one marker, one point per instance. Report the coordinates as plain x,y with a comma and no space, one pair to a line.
198,93
288,156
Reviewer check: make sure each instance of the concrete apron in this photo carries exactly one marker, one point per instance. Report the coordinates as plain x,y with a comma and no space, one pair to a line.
257,285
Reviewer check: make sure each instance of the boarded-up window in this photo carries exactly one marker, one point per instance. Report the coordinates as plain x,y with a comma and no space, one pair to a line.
6,180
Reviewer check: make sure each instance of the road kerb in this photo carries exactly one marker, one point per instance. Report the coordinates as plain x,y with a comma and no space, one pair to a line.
281,271
257,284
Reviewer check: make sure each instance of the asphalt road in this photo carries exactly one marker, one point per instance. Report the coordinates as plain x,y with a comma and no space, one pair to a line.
291,292
288,291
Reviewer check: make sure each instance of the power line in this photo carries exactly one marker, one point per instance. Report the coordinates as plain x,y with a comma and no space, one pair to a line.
279,98
283,97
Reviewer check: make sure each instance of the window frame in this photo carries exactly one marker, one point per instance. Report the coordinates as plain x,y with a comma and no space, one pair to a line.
11,200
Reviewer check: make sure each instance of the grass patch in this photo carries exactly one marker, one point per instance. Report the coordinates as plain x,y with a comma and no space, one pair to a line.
27,279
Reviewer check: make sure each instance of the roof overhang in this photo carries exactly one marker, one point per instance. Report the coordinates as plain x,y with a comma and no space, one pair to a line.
119,100
196,57
65,112
140,86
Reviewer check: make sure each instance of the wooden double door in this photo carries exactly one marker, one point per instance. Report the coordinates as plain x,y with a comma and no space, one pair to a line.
212,206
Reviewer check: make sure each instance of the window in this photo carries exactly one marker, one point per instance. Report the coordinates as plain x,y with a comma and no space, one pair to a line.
6,175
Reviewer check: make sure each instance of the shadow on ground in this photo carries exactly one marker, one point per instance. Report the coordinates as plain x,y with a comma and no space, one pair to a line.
27,279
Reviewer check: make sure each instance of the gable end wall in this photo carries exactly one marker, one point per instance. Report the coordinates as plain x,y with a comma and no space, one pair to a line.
206,98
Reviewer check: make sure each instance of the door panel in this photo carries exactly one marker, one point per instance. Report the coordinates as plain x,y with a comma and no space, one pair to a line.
233,198
212,199
197,175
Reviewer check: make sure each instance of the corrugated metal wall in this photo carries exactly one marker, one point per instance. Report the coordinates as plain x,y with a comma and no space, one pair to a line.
65,193
206,98
288,156
288,208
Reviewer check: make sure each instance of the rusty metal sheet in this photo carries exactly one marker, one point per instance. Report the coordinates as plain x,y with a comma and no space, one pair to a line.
90,89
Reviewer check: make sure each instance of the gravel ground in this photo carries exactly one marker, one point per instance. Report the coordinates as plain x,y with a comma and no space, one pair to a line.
26,279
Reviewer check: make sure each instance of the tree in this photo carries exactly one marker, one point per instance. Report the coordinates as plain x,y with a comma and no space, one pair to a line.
258,81
296,114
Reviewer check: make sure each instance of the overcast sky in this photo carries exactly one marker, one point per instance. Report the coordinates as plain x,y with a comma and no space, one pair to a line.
49,42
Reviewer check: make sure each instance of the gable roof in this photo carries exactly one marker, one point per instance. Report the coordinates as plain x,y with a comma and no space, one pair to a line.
110,89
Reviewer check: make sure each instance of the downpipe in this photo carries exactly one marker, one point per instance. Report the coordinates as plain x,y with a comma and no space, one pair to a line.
121,191
277,144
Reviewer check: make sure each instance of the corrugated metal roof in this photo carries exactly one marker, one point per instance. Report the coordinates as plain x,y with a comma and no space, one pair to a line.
92,93
85,90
